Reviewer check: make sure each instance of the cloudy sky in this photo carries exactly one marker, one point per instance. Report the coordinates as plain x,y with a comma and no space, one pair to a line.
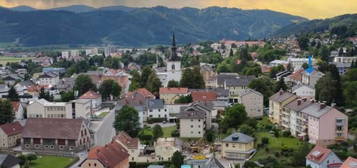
307,8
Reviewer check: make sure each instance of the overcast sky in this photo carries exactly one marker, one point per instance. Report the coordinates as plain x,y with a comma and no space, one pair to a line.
307,8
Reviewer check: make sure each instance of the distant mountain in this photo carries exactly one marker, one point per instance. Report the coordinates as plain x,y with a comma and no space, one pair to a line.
23,9
75,8
138,26
319,25
115,8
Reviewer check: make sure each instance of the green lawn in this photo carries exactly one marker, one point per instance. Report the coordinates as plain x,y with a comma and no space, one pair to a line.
4,60
168,130
51,162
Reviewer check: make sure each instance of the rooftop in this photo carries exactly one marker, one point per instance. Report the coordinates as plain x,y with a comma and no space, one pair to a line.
11,128
90,95
281,96
318,154
238,138
173,91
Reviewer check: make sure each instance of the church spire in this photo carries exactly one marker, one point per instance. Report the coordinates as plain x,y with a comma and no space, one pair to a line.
174,56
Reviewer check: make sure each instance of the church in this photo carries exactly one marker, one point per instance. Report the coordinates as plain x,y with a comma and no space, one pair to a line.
172,71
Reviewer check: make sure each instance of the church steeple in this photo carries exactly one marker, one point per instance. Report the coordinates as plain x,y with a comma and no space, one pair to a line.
173,56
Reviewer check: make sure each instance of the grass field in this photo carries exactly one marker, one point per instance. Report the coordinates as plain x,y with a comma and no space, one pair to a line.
51,162
4,60
168,130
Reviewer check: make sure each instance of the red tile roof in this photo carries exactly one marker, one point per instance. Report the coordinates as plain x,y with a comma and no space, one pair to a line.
12,128
318,154
127,141
297,75
90,95
350,162
203,96
110,155
59,128
145,93
173,90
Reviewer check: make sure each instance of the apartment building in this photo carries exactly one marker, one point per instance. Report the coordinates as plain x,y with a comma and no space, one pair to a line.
276,104
252,101
44,109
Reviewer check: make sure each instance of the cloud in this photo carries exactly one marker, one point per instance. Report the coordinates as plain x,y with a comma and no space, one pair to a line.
307,8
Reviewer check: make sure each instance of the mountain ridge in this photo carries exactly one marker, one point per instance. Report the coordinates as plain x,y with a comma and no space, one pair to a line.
138,26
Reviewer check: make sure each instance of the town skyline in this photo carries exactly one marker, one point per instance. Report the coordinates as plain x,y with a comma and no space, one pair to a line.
315,9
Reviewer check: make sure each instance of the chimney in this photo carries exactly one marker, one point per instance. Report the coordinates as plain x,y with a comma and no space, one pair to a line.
322,106
304,99
281,92
299,102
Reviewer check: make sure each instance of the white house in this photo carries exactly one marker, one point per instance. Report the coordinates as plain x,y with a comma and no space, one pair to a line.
51,79
95,98
303,90
157,109
321,157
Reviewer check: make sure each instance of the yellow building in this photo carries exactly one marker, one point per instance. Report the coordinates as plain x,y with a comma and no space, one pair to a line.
277,103
169,95
237,146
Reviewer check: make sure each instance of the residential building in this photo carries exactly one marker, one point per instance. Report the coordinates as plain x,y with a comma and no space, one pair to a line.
169,95
297,63
350,162
50,79
9,161
233,82
112,155
157,109
166,147
54,135
131,145
303,91
74,109
4,90
326,125
293,119
203,95
94,97
321,157
342,67
10,135
211,162
277,103
18,109
237,146
194,120
252,101
345,59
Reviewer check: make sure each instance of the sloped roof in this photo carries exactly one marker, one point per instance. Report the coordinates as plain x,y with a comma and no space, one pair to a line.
8,160
173,91
60,128
350,162
12,128
203,96
90,95
281,96
145,93
299,104
109,155
238,138
317,110
318,154
127,140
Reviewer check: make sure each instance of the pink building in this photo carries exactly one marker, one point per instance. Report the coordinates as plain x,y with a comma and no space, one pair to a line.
326,125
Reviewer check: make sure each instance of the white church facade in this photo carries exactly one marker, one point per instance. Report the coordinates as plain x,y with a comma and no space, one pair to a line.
173,69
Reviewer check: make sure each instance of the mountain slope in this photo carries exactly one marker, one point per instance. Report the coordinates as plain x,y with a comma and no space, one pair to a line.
350,21
75,8
138,26
23,9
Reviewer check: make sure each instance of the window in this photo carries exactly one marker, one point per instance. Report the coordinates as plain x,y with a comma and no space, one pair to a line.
191,126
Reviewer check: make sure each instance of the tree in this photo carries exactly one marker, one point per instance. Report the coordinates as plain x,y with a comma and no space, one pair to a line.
109,88
299,155
31,157
127,119
305,65
303,42
210,136
6,112
146,72
177,159
184,99
263,85
153,83
12,94
67,96
329,89
281,85
246,129
233,117
135,81
192,78
45,95
157,132
83,84
324,54
173,84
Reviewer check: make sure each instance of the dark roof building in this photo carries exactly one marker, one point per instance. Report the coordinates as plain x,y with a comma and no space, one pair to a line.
238,138
8,161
